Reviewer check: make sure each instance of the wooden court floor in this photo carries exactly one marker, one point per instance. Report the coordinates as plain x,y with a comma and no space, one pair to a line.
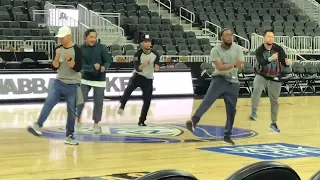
26,157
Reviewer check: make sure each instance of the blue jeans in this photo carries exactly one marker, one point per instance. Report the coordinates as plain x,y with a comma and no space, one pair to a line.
229,91
56,92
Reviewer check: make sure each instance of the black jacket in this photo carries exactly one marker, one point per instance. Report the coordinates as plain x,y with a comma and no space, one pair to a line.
270,70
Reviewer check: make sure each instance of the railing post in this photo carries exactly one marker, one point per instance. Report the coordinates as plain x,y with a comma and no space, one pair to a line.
164,5
192,16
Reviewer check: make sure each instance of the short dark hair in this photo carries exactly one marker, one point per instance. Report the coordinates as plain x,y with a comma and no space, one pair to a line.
88,31
266,31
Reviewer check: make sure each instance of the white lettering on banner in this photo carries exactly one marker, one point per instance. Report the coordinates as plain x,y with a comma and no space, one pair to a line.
35,86
274,151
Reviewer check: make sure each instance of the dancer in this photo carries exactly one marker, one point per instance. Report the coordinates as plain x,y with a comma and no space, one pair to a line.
67,61
96,60
146,61
227,58
270,57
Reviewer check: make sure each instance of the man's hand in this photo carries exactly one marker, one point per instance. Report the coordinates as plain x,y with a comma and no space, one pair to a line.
67,55
146,62
288,62
97,66
103,69
274,57
239,64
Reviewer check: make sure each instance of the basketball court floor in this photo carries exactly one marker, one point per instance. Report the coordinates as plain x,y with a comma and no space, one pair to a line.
126,151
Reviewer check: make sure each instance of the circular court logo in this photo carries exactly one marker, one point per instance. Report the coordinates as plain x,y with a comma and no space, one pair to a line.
149,134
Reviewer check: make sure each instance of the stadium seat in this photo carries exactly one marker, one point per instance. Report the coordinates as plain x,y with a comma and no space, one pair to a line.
265,170
316,176
168,175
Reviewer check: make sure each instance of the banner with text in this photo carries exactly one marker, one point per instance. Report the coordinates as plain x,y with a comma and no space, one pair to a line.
35,86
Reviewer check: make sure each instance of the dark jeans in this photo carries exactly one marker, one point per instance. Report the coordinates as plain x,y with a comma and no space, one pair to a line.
98,96
58,90
229,91
146,86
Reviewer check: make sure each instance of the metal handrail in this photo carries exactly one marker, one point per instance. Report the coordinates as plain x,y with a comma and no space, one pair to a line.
164,5
246,44
192,16
207,29
106,15
84,15
104,23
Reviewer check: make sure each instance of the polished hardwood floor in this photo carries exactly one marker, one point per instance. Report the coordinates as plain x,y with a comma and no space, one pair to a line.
26,157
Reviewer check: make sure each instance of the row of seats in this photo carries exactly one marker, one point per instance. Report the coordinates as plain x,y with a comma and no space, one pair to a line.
100,1
19,24
133,31
176,30
24,32
154,21
17,13
25,38
117,7
280,30
247,5
15,3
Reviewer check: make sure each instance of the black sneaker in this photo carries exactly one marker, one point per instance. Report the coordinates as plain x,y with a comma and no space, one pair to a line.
228,140
189,125
141,123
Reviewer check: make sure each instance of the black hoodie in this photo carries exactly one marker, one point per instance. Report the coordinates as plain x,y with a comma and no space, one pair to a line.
97,53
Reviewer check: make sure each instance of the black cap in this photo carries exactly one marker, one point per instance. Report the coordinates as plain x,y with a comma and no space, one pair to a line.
145,37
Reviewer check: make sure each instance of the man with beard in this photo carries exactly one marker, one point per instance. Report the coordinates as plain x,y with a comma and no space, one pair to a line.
146,61
227,58
270,57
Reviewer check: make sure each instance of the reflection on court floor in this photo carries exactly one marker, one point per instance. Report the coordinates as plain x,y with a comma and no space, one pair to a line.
161,111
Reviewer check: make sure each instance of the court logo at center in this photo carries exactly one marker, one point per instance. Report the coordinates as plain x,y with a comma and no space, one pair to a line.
134,130
171,133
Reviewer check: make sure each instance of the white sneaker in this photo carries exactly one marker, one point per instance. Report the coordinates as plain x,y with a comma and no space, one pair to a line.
120,111
96,129
78,127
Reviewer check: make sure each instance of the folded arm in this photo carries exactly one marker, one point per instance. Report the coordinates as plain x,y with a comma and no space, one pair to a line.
260,58
215,59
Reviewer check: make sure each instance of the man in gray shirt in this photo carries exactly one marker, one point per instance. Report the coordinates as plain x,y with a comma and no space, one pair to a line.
227,58
146,61
68,62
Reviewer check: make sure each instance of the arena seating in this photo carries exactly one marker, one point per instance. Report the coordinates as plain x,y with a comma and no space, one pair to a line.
265,170
252,16
16,21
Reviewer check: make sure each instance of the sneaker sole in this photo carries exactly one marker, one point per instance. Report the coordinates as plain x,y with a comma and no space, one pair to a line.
274,130
253,119
228,143
34,132
66,142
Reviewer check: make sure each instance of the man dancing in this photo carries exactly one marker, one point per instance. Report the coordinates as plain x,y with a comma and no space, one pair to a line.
96,60
146,61
270,57
67,61
227,58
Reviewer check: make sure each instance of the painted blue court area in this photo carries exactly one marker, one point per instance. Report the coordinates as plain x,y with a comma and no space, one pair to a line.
271,151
